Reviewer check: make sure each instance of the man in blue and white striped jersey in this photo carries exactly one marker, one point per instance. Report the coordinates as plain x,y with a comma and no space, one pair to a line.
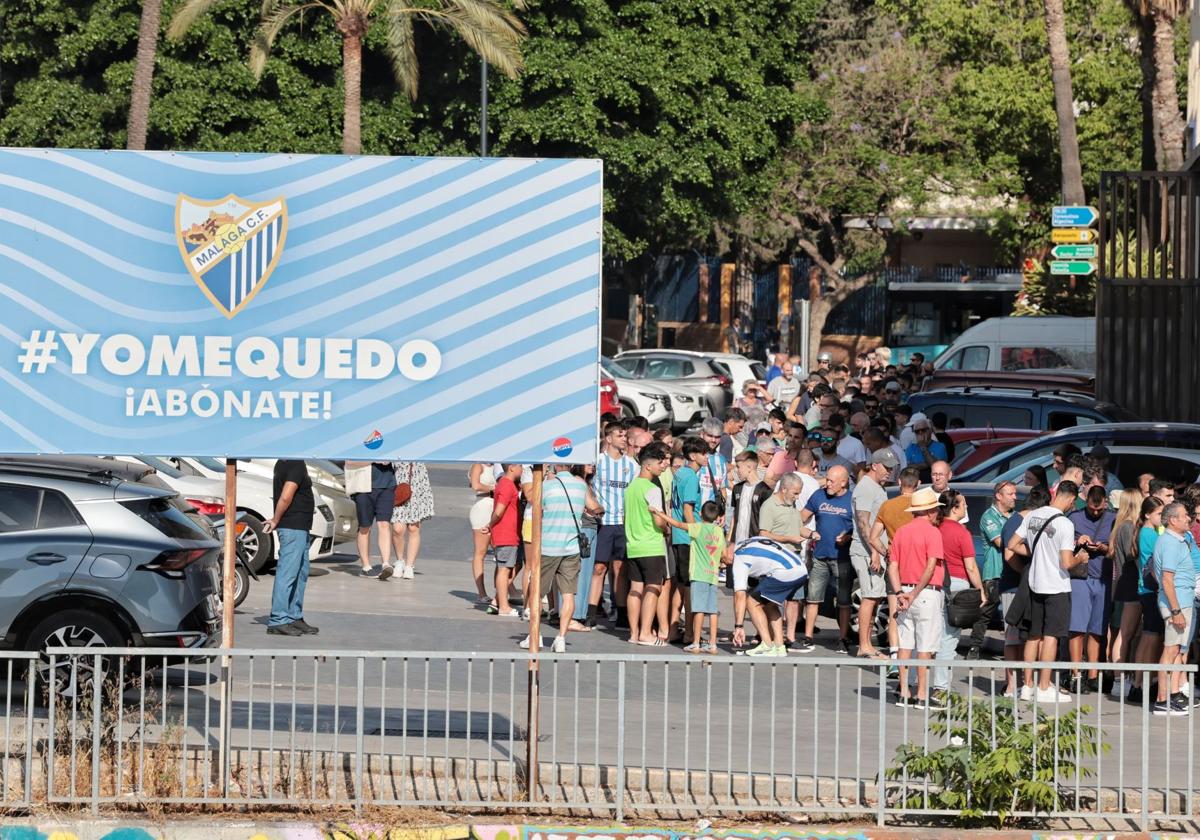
614,471
780,573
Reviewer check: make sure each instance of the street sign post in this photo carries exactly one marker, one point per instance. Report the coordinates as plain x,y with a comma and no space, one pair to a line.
1072,236
1072,267
1074,216
1075,252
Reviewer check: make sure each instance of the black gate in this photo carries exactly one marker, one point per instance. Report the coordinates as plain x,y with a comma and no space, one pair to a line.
1148,294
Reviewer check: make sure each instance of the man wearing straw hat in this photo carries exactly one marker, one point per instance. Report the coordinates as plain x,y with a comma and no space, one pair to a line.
916,571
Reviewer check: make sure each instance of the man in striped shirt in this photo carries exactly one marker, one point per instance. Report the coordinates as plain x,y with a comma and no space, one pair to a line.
780,574
564,498
614,472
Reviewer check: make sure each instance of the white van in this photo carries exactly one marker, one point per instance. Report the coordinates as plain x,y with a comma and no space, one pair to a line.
1049,342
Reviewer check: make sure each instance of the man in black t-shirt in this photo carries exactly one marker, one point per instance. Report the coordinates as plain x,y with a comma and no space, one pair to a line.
294,507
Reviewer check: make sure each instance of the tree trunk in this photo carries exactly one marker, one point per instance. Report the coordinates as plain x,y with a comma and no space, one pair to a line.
1064,103
143,75
1169,127
352,80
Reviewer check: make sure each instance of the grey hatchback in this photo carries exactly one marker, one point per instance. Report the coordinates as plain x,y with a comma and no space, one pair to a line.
92,555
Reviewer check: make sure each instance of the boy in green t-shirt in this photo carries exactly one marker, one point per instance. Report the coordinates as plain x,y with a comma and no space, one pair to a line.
707,555
646,524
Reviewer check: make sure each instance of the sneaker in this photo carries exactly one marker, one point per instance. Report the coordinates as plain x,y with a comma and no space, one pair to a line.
974,654
843,646
387,571
1134,697
778,650
795,646
1170,708
916,702
512,613
806,645
370,572
525,614
524,644
763,649
1052,695
284,630
893,672
492,609
1091,685
903,702
939,700
1026,693
407,573
560,644
304,627
1182,700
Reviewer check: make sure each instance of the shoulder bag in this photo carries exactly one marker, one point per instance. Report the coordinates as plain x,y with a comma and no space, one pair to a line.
403,490
585,545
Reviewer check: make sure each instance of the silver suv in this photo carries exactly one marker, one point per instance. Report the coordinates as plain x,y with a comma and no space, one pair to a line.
93,553
708,379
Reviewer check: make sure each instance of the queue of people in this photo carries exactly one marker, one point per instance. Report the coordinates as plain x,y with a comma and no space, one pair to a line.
792,511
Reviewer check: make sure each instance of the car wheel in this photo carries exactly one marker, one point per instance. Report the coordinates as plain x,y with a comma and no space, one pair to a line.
74,676
241,584
255,543
627,410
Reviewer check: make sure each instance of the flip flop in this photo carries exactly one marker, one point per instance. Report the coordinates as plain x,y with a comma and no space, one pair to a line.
712,649
576,627
658,642
875,654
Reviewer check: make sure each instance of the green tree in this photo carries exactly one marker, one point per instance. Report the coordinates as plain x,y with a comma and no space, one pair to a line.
688,104
487,27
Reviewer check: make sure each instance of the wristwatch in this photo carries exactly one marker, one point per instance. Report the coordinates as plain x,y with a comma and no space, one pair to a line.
1176,612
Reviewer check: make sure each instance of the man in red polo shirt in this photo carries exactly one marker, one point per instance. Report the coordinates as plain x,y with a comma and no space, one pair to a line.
916,571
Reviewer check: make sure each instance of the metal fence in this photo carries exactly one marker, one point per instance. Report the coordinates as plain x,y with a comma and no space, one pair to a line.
615,736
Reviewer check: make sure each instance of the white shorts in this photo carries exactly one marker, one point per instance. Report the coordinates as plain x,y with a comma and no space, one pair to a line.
481,513
920,626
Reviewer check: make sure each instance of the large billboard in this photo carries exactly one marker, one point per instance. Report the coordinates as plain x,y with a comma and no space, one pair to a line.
433,309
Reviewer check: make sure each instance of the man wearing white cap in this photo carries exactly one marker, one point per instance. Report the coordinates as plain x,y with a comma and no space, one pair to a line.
866,500
916,571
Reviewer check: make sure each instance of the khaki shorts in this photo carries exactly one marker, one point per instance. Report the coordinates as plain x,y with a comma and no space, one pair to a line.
1171,636
870,584
920,626
562,572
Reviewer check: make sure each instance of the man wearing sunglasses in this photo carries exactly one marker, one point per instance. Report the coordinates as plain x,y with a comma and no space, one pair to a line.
926,451
827,453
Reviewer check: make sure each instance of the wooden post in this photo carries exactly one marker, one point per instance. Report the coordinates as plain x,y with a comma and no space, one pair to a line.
727,270
785,305
534,603
704,280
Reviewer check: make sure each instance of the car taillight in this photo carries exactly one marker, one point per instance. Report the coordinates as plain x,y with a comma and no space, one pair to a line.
172,563
207,507
723,381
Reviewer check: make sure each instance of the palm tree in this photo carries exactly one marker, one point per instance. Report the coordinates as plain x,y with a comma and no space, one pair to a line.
143,75
1064,103
1156,22
488,28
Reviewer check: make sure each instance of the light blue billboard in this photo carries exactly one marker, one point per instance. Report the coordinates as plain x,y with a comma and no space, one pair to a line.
437,309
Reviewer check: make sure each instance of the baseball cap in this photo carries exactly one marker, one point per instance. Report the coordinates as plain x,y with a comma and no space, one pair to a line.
919,417
1099,451
886,457
892,386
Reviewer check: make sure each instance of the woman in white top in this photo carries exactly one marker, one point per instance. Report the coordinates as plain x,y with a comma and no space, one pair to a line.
483,481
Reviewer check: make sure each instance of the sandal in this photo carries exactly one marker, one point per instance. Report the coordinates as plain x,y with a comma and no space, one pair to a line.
692,648
712,649
658,642
576,627
875,654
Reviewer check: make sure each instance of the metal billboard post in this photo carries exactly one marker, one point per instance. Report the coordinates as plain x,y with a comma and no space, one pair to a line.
228,570
533,602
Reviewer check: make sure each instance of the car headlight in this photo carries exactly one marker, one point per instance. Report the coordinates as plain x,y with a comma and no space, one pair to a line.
685,399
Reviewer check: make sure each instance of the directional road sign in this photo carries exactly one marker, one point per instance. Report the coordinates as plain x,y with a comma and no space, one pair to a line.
1072,236
1073,216
1075,252
1078,267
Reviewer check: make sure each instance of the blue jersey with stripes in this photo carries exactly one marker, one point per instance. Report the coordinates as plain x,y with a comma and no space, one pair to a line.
714,478
613,476
759,557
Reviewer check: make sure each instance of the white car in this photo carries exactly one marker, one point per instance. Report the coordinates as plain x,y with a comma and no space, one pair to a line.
330,489
254,498
741,370
659,401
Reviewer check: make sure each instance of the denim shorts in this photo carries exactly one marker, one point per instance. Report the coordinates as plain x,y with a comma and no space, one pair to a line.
375,506
825,569
778,592
704,598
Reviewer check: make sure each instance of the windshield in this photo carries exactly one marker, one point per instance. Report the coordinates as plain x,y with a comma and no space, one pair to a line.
615,368
210,464
161,465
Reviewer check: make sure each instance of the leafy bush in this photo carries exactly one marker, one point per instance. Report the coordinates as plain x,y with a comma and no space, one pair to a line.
985,776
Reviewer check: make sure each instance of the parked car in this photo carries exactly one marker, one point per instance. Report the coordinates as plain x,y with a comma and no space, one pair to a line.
1179,466
980,495
1070,380
658,401
974,446
328,492
740,369
686,368
1022,343
1150,436
91,555
1019,408
609,398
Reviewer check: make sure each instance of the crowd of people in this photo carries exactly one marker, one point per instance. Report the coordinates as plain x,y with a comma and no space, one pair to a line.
784,502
